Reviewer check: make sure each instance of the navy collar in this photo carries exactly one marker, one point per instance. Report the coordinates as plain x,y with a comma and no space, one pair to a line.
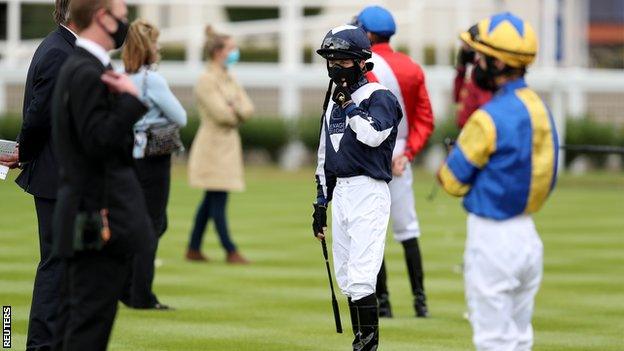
67,35
360,83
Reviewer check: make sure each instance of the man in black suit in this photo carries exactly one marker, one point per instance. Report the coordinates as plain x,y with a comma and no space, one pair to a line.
39,176
101,217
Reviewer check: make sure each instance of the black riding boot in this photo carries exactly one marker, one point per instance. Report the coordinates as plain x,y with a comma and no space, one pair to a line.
365,322
383,297
416,276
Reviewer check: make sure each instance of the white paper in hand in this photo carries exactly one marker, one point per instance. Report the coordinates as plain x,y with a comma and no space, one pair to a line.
7,148
4,170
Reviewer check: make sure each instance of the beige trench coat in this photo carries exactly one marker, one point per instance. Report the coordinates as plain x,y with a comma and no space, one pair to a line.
216,158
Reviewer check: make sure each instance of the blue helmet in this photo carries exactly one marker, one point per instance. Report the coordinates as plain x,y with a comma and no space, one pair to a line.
345,42
377,20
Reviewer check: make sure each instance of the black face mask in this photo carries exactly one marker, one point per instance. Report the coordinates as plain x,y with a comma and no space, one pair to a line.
340,75
483,78
119,37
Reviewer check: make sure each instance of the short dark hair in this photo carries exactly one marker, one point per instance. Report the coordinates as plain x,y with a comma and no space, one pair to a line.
82,11
61,11
378,39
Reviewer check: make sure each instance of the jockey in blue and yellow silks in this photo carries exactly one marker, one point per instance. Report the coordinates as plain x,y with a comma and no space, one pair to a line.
505,160
504,164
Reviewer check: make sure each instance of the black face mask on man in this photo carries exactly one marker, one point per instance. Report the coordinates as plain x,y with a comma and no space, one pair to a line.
341,75
119,36
482,79
485,78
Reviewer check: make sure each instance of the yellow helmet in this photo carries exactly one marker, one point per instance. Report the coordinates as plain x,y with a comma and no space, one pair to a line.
505,37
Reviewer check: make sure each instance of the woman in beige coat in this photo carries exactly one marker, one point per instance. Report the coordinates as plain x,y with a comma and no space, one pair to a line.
216,160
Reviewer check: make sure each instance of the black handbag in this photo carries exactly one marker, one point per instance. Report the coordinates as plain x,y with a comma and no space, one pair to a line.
161,139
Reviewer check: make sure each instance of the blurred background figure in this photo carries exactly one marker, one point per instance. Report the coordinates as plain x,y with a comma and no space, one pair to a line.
153,165
216,160
467,95
406,80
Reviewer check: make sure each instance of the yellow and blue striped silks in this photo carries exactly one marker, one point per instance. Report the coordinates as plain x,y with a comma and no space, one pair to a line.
505,159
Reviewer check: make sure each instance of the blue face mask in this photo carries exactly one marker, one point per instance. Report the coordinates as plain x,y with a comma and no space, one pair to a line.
232,57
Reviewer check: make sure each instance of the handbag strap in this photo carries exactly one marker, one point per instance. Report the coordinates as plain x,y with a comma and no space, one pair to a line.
145,84
144,92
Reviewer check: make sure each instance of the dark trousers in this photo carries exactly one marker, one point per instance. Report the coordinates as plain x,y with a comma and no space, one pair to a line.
413,261
154,174
46,291
94,281
213,206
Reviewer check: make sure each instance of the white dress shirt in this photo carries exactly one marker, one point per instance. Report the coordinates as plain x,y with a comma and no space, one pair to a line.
95,49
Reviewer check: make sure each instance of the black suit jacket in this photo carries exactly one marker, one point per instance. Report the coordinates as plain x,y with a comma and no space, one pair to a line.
93,139
40,174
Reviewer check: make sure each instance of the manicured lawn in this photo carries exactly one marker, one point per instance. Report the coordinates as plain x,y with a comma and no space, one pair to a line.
281,301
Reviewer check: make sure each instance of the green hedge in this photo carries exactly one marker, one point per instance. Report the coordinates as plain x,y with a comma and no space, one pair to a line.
10,126
250,13
266,133
272,133
587,132
37,20
187,134
308,129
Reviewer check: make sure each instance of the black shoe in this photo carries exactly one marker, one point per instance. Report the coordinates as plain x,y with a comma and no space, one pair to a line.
385,309
365,320
156,306
160,306
126,302
421,307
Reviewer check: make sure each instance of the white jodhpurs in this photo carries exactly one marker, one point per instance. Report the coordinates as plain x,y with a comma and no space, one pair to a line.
503,270
360,214
403,212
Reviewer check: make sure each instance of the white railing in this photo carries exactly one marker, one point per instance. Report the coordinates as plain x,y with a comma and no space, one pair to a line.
295,31
573,84
567,87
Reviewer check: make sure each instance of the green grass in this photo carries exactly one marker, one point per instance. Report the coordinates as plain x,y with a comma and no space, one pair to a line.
281,301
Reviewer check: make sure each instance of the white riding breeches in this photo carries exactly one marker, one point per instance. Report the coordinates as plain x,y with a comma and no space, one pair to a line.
503,270
360,214
403,211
